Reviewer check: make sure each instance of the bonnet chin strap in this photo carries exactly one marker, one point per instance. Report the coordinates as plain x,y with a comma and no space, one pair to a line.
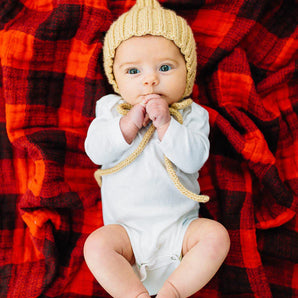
123,109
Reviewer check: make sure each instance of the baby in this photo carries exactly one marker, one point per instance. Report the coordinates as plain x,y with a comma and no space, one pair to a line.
153,241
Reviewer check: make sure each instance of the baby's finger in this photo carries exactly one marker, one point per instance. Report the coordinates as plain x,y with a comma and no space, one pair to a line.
149,97
146,120
143,103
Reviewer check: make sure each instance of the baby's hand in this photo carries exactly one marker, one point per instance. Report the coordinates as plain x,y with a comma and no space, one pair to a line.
131,123
158,110
137,115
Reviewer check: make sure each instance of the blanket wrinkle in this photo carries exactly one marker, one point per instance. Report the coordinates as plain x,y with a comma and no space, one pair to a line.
248,139
51,76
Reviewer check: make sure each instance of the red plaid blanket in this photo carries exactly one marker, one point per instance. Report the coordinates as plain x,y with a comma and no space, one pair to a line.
50,78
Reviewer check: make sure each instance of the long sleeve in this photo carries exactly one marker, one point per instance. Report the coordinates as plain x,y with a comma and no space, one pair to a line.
104,142
187,145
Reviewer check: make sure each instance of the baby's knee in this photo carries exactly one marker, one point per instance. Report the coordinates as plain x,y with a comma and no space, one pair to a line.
96,244
224,237
108,239
219,241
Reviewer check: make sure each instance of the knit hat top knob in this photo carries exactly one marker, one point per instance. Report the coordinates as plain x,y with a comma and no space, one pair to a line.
148,17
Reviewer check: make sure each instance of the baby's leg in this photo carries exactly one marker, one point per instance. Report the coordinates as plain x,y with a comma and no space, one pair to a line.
109,256
205,246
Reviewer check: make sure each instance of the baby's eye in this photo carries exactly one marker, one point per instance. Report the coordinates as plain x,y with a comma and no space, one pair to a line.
165,67
133,71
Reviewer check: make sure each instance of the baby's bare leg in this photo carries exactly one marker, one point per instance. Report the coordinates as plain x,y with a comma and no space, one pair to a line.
205,246
109,256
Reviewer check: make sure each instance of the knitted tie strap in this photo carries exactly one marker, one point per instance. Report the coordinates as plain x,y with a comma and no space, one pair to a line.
123,109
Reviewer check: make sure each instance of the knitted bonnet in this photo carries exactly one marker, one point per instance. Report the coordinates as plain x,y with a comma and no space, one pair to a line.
148,17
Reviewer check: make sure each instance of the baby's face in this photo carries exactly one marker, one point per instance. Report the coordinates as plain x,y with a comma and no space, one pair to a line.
149,65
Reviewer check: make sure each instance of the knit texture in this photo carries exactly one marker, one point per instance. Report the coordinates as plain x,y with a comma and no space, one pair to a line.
148,17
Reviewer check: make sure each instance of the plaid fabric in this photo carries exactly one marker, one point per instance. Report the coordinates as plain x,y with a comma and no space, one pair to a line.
51,75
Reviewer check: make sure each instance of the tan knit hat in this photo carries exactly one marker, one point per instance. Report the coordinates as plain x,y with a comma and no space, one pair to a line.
148,17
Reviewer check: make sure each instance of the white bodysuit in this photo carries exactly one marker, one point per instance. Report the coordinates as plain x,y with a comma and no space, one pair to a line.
142,197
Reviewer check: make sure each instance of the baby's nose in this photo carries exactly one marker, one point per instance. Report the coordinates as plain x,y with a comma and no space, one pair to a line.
151,79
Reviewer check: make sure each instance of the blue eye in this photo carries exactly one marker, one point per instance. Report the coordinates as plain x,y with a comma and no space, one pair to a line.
133,71
165,68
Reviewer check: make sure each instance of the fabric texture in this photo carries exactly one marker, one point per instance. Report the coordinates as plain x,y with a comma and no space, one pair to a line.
51,75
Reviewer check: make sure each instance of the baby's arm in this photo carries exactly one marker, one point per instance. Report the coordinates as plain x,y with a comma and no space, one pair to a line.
187,145
104,141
